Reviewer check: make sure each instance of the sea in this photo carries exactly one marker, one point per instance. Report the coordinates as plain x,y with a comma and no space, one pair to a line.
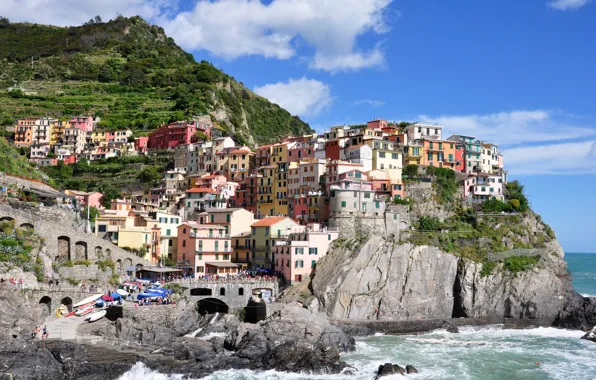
483,353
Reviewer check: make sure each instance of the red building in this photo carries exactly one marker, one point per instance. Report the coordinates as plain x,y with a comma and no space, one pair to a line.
460,165
179,133
142,144
332,149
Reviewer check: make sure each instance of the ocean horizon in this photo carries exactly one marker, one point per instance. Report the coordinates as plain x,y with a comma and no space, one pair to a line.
582,266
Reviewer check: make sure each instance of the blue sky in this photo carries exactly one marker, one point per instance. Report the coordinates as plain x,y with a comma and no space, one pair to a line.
521,74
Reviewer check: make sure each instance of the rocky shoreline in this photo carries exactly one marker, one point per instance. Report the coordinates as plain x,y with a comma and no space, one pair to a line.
296,338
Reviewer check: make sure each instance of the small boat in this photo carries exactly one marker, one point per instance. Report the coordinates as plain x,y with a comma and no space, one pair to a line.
99,303
96,316
69,314
84,311
87,300
122,292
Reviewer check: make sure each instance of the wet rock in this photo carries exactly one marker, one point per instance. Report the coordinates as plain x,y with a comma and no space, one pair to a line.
390,369
411,369
591,335
449,327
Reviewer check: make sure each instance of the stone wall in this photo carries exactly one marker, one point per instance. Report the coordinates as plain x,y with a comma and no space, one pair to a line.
84,273
9,180
63,242
235,295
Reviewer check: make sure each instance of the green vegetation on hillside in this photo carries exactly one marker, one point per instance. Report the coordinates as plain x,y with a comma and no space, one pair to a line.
128,73
16,246
12,162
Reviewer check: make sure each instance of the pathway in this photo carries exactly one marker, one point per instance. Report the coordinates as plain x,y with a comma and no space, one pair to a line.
64,328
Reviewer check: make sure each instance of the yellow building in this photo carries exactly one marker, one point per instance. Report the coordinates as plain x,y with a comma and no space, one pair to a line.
265,193
264,233
387,156
57,131
241,162
98,138
415,154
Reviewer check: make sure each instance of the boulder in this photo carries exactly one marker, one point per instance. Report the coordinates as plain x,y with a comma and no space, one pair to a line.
591,335
449,327
388,369
411,369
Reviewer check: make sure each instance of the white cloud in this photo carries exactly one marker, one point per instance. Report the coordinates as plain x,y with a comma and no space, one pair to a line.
511,128
236,28
567,5
566,158
75,12
370,102
304,97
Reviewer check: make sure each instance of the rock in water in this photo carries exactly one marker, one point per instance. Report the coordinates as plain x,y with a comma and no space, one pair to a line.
390,369
591,335
449,327
411,369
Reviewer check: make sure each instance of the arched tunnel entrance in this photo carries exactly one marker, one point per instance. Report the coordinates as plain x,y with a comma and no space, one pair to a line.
46,301
212,306
67,301
201,292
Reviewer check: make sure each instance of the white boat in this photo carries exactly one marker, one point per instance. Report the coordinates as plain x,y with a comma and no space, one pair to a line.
96,316
88,300
122,292
84,311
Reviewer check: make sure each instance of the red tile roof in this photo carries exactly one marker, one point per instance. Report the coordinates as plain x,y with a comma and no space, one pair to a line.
202,190
269,221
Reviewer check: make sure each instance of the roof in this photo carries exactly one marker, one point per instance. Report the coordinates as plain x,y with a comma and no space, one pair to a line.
221,265
202,190
159,270
269,221
226,210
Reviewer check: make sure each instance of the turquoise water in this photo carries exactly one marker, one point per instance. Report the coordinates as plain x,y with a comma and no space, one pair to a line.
583,269
476,353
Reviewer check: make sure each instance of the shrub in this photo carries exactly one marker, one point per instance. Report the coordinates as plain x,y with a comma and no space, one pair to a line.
429,223
72,281
410,171
487,268
114,279
104,265
517,264
68,264
82,262
494,205
400,201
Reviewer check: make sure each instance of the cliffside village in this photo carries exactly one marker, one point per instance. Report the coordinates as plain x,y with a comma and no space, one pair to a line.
226,208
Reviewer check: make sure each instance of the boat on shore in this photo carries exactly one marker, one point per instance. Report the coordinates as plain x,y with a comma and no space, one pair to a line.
87,300
96,316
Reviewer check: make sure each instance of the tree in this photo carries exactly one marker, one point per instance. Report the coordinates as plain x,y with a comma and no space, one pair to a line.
149,175
4,22
515,191
97,19
429,223
410,171
93,213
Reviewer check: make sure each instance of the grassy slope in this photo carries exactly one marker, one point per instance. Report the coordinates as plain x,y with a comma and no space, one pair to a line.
12,162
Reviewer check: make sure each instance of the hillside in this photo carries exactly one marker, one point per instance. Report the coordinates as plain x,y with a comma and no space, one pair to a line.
131,75
12,162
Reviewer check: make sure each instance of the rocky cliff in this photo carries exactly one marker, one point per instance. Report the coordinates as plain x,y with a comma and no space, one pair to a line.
382,278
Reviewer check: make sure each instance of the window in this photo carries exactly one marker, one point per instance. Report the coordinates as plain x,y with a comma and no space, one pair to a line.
394,156
200,269
102,228
367,195
266,231
212,218
200,256
253,230
183,243
299,264
226,257
168,232
377,204
184,230
382,154
313,251
358,174
300,251
343,204
217,256
169,242
328,236
216,246
313,263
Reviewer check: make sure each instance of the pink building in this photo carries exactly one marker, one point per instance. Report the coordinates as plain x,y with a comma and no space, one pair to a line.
484,186
301,151
179,133
142,144
39,151
92,199
205,249
297,255
84,123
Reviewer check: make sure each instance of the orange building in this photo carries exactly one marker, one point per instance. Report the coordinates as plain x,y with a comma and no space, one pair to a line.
439,153
23,134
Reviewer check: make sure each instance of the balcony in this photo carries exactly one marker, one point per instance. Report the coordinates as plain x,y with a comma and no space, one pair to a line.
211,236
220,250
266,201
261,248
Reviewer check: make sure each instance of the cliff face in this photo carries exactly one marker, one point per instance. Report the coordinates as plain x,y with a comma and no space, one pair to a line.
385,280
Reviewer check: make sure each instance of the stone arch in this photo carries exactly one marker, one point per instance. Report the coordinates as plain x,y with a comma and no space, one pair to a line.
46,301
212,306
63,249
201,292
67,301
6,219
99,253
222,291
81,251
241,291
119,266
127,263
109,254
27,226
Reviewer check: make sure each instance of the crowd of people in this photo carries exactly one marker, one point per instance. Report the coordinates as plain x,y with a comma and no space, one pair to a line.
18,283
40,330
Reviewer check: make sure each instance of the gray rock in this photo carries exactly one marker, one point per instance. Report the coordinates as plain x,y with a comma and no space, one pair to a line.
411,369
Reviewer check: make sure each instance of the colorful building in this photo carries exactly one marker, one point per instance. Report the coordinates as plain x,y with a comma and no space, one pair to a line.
264,233
171,135
84,123
205,250
297,253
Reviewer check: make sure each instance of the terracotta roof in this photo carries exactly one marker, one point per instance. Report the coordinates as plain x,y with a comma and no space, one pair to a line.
202,190
240,151
268,221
